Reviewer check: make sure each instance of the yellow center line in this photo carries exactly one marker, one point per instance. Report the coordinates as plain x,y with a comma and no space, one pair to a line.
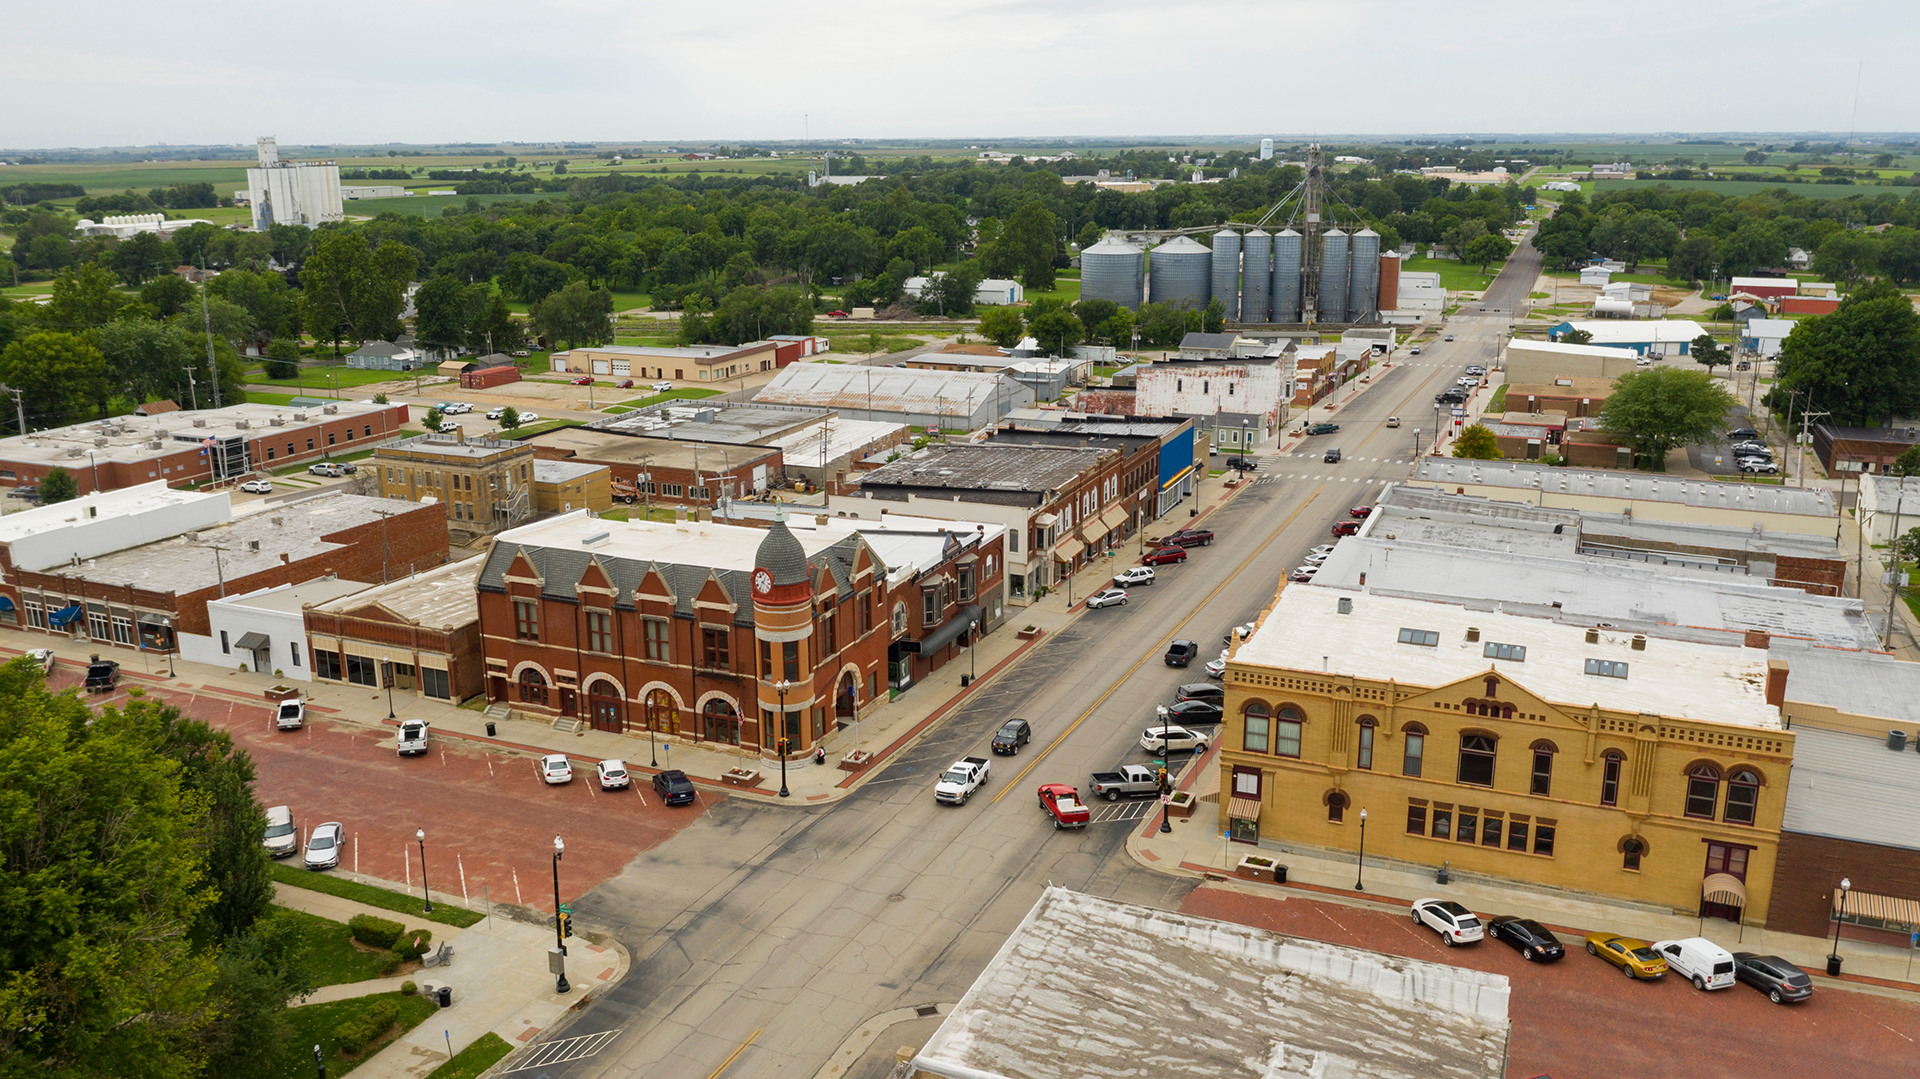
725,1064
1159,648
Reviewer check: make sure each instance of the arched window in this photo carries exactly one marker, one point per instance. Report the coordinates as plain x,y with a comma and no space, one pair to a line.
1286,732
1542,783
720,722
1631,848
1258,723
660,711
1476,759
1703,791
1363,757
1743,797
533,687
605,710
1416,750
1610,777
1336,807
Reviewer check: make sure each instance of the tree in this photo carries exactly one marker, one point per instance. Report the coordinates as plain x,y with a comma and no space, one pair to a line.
1092,313
1708,353
1002,326
1907,464
1461,236
510,419
951,294
58,486
1899,255
1118,328
1576,337
283,358
491,326
1845,257
1658,409
1752,245
61,376
1692,259
167,294
1861,363
1213,317
432,420
440,319
349,289
1491,247
576,315
1028,244
1057,331
265,296
1477,443
83,296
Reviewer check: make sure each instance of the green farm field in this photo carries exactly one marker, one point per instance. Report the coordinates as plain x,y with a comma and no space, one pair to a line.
428,205
1755,187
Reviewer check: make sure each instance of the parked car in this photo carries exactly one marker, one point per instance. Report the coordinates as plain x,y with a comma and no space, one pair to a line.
1062,803
292,714
1126,781
1332,457
961,779
623,384
528,417
1242,631
1393,421
1164,555
674,788
348,468
1743,365
258,487
1193,713
1316,560
1780,980
1108,597
1180,653
1476,369
662,387
1217,667
1635,958
1303,574
282,838
1449,337
324,468
1134,575
1200,691
1346,528
1535,942
1741,433
583,380
1466,382
323,846
1191,537
836,314
43,657
1455,923
1243,464
455,408
1360,511
522,354
1323,550
613,775
448,427
1699,960
555,768
1012,734
1172,739
496,412
1322,428
103,675
413,739
1755,464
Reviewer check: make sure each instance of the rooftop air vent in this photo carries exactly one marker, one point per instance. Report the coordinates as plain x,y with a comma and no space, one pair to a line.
98,442
596,538
1593,635
241,424
1639,642
199,423
329,409
253,545
1897,741
1346,605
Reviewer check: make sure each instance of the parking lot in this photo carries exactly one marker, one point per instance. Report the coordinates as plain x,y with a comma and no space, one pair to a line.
490,820
1580,1019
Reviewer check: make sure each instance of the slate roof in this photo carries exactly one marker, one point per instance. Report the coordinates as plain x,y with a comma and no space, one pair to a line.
780,553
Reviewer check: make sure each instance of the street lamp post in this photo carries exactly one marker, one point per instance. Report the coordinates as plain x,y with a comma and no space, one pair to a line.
782,686
653,753
1361,872
559,934
1436,428
425,892
1833,960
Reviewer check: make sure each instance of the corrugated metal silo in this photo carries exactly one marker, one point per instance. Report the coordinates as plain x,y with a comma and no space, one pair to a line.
1286,276
1113,270
1363,277
1333,277
1180,271
1226,272
1257,277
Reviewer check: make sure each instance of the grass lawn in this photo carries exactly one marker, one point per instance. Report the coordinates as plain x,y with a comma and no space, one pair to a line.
689,393
1453,275
1497,403
445,914
314,1024
474,1059
540,428
428,205
326,949
1753,187
1066,286
320,380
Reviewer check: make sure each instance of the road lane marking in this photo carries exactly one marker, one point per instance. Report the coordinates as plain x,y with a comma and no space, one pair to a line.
724,1065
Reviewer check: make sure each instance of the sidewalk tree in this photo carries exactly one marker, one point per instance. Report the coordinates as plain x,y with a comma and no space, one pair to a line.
1491,247
1708,353
1477,443
1659,409
58,486
1861,363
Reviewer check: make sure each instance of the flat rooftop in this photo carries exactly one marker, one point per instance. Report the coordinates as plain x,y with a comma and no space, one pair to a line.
442,597
989,466
291,599
1859,682
1522,476
453,448
100,506
128,439
562,471
885,389
600,446
822,443
750,425
1851,786
692,352
1093,987
1710,683
682,543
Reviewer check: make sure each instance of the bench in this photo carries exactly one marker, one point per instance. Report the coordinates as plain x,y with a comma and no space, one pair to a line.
740,777
439,957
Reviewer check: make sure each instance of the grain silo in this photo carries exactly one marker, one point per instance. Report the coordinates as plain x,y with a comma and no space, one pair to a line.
1256,278
1226,272
1363,277
1333,276
1113,270
1286,276
1180,271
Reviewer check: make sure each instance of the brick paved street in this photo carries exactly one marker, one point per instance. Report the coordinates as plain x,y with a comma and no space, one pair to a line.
1580,1019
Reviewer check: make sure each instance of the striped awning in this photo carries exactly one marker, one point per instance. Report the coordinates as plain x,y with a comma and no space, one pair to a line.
1884,907
1724,888
1243,809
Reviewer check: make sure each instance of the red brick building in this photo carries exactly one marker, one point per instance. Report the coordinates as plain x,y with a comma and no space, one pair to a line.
691,630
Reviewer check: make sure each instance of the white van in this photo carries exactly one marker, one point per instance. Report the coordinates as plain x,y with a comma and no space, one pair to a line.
283,837
1699,960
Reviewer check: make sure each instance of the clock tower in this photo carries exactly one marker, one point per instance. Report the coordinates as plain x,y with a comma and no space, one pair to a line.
783,622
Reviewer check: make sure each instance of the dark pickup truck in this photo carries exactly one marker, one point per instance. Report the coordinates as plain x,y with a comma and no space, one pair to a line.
102,675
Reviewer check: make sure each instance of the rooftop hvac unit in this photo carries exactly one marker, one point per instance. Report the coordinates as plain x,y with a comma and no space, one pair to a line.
99,442
329,409
253,545
277,421
299,417
159,432
154,445
241,424
199,423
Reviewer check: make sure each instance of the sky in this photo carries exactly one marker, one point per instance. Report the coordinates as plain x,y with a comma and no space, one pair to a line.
436,71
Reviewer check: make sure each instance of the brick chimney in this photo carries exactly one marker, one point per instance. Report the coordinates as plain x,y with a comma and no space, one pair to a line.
1757,638
1776,682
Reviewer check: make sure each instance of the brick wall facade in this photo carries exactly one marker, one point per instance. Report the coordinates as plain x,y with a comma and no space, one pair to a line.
1810,868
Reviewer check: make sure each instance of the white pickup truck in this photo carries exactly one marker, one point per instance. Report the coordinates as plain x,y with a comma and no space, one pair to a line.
961,779
412,738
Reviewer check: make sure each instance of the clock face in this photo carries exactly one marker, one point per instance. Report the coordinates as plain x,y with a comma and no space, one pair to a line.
762,581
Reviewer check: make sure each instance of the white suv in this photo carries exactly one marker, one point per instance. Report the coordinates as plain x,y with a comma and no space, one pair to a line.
1455,923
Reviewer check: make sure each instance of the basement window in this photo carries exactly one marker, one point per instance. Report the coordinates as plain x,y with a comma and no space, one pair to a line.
1424,637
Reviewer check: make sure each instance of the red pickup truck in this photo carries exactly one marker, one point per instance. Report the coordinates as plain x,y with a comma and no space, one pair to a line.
1063,804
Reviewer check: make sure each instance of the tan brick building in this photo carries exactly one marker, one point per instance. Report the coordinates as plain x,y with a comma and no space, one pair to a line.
564,486
485,484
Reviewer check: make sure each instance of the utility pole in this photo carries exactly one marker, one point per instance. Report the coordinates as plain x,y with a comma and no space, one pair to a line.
206,320
217,571
192,389
19,408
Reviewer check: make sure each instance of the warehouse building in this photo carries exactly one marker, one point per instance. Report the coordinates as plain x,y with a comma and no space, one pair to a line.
949,400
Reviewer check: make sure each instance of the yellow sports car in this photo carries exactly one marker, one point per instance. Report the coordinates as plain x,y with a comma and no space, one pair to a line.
1635,958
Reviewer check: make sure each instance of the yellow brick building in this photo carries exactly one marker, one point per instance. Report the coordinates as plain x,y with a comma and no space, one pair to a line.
1650,768
486,484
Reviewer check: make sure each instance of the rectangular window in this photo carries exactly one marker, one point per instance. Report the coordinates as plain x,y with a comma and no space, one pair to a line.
1416,820
330,438
1610,782
1424,637
362,671
830,630
98,626
1630,858
36,615
526,619
659,644
714,648
225,649
1515,652
790,660
766,660
123,630
1606,668
929,606
1542,785
1246,782
1255,740
1476,760
966,583
434,683
672,490
1517,836
1443,824
1416,752
1703,795
1490,831
699,492
599,631
1543,839
865,606
1286,737
294,650
1365,757
1469,826
327,665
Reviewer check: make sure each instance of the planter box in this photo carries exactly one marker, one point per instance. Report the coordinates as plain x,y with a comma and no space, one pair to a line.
856,760
1182,806
1027,633
741,777
1250,869
281,693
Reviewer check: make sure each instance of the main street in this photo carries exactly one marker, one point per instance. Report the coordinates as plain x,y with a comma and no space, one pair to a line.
764,936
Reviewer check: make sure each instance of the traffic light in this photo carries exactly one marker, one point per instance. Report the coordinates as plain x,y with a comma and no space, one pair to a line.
566,924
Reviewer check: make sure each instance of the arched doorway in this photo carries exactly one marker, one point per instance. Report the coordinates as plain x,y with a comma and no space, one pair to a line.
605,710
662,716
533,687
845,700
720,722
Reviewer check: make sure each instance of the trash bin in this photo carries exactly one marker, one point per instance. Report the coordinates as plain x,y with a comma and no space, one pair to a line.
1833,966
965,680
1279,874
489,728
446,996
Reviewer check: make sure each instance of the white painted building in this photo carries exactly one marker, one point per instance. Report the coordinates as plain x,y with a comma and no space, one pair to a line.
122,226
265,630
373,191
292,192
992,292
1887,503
1764,335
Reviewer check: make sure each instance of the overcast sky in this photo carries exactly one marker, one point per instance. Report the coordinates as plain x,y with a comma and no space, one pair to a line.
357,71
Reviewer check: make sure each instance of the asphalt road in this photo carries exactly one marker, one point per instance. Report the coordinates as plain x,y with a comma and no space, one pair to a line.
763,936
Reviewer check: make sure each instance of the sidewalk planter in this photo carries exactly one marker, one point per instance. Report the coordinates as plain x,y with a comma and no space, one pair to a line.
1027,633
281,693
1182,805
1254,867
856,760
741,777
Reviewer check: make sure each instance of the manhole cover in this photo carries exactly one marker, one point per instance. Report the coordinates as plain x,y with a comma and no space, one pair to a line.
895,897
925,1010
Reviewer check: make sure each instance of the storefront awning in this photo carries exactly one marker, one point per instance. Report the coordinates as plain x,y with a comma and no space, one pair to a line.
1174,480
64,615
1243,809
945,635
1725,889
6,603
1884,907
1099,527
252,642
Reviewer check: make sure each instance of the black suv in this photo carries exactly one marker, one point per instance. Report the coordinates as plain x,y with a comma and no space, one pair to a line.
1194,713
1200,691
1243,464
1181,653
1191,537
673,787
1013,734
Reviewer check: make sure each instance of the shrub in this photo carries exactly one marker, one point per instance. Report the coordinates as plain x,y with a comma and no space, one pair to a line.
413,944
354,1034
374,932
390,964
408,989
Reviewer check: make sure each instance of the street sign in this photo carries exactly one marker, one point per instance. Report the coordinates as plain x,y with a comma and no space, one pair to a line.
1166,799
565,909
